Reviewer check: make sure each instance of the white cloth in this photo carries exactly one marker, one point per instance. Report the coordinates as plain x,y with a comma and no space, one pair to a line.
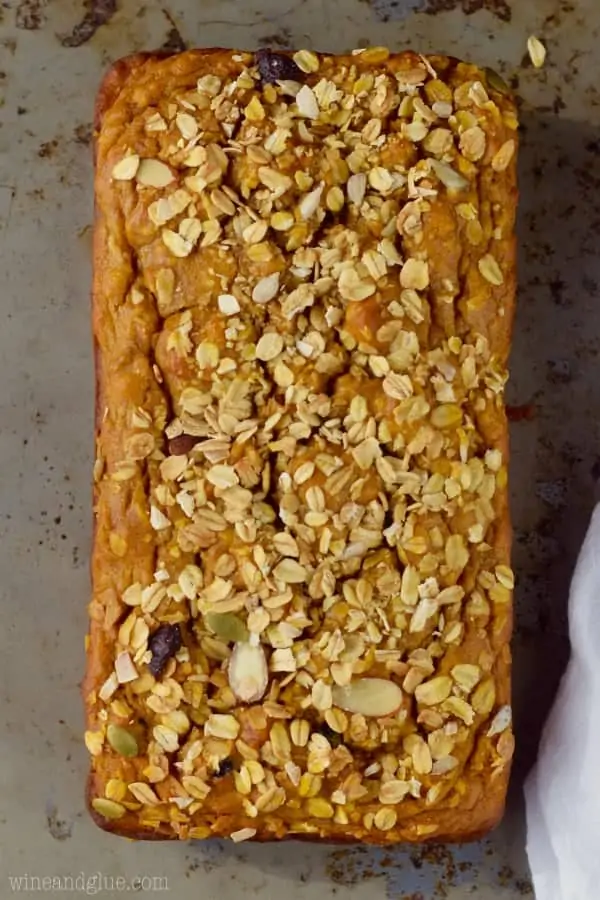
562,793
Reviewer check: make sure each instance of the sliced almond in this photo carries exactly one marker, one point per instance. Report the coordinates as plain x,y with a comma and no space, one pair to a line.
375,697
154,173
126,169
187,125
247,672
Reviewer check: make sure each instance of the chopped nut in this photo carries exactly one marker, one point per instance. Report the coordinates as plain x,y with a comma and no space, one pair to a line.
228,304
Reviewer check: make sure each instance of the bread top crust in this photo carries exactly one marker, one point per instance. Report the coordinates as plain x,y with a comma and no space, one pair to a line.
303,297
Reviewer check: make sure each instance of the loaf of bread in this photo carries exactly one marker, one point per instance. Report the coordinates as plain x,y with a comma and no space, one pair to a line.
304,279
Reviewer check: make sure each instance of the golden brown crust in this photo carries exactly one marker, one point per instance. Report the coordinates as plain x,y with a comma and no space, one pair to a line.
128,341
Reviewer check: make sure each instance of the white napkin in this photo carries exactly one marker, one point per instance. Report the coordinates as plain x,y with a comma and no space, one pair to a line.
562,793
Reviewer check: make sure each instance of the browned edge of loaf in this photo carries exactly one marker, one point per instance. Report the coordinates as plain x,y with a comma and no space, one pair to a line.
479,820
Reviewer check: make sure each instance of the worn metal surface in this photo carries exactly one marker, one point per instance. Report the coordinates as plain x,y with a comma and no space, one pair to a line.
52,54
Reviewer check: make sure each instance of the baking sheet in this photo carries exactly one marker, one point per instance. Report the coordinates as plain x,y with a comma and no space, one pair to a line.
52,55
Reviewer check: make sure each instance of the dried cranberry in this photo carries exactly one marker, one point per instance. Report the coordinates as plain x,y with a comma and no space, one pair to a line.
225,767
182,444
277,67
164,643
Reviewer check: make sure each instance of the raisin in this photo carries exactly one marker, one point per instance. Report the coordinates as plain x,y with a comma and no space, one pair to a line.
163,644
182,444
277,67
225,767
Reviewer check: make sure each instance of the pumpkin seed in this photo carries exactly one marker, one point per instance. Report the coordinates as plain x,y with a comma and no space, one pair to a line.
110,809
226,626
496,82
122,741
